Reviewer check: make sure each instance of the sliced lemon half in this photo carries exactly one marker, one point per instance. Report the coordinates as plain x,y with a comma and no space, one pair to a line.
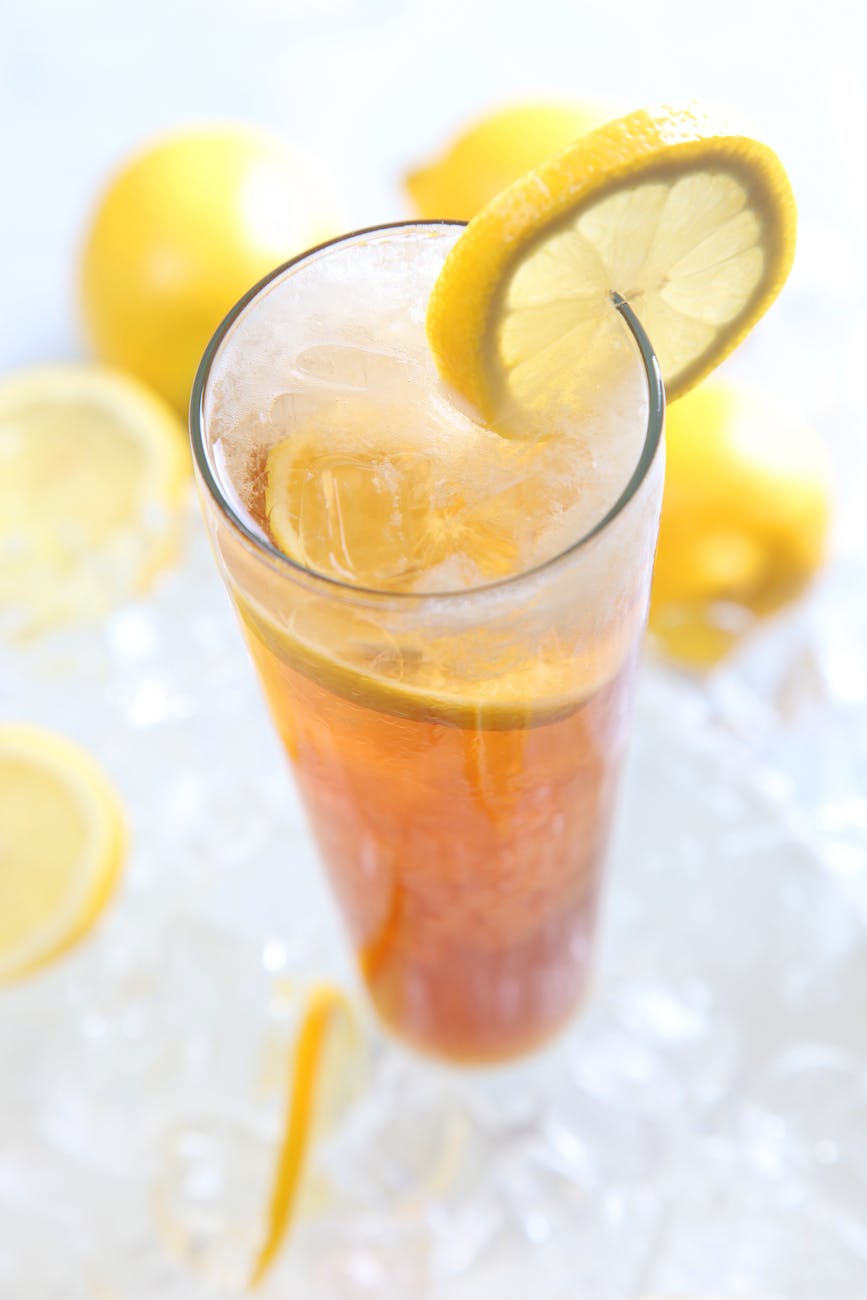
93,468
61,846
693,224
323,1079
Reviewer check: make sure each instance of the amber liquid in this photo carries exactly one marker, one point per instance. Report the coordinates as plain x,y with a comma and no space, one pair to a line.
466,855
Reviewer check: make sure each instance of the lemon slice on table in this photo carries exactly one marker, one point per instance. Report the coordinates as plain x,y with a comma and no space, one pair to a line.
745,525
323,1079
93,468
692,224
61,846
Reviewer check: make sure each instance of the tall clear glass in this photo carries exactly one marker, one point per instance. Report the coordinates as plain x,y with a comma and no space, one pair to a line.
457,751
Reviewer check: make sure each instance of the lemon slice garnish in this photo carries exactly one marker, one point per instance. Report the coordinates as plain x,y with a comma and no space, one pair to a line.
692,224
61,846
323,1079
92,470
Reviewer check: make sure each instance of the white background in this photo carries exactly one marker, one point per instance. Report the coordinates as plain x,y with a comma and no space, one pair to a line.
375,86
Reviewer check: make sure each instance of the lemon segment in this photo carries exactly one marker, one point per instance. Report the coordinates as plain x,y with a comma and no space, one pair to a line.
492,153
324,1078
61,846
693,225
93,468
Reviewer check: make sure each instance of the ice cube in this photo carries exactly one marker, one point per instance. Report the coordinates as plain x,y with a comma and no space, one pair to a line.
353,368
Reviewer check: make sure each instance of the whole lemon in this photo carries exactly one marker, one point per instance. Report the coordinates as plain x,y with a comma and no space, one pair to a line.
745,517
184,229
494,151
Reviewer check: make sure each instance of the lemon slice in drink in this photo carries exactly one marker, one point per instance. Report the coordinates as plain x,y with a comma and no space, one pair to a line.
92,470
61,846
692,224
349,499
323,1080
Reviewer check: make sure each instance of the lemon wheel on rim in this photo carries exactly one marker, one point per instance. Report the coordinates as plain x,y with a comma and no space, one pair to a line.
691,222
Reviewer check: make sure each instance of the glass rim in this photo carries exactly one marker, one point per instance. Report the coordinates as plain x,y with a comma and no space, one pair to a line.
266,550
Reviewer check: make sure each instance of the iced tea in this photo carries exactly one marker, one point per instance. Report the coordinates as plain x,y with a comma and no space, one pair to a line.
444,622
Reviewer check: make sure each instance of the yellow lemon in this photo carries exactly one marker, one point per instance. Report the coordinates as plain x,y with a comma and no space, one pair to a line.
93,469
324,1077
744,520
183,231
691,223
493,152
61,846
